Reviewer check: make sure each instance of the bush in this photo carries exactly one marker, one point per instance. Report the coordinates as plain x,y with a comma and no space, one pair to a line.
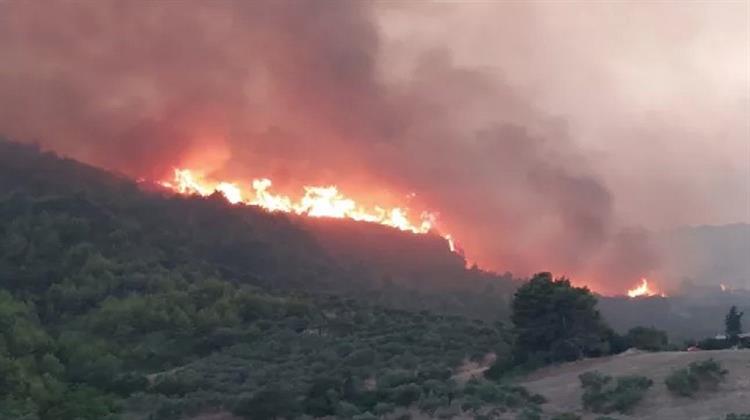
269,403
530,413
709,372
394,378
714,344
383,408
431,403
704,375
403,395
734,416
566,416
650,339
682,383
365,416
603,395
346,410
471,403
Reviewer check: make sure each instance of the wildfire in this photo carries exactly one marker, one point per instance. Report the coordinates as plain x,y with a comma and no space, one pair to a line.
317,201
644,289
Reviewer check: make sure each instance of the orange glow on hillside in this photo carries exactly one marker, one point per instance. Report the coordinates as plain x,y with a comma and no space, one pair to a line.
329,201
644,289
317,201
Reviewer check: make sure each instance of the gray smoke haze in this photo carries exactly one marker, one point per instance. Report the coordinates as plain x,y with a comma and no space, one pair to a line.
491,127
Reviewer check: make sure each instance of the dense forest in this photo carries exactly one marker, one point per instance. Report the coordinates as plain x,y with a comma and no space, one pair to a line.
119,300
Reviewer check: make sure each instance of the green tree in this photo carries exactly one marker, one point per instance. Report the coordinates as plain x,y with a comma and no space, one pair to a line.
267,404
645,338
733,324
554,321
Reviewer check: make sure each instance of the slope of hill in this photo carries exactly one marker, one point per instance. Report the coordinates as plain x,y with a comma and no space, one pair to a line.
117,302
560,385
256,247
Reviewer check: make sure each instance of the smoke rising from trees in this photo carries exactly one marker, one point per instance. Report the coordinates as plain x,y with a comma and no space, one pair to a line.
308,92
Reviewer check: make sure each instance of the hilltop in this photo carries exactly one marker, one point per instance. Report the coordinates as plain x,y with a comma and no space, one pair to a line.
253,246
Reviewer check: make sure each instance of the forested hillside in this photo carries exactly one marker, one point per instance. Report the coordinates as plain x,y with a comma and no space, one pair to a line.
244,243
119,302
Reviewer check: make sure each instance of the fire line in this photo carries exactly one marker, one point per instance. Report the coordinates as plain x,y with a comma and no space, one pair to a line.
317,201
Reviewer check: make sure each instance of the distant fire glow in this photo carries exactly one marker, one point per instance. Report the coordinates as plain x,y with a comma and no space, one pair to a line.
317,201
644,289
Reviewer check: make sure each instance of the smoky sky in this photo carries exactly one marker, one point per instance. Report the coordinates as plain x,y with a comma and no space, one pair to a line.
371,97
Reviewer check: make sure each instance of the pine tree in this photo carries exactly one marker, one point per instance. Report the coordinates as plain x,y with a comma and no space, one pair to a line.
733,323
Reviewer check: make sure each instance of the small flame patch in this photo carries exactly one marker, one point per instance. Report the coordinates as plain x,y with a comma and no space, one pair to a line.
644,289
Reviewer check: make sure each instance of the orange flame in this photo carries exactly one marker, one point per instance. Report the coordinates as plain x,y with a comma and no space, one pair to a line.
644,289
318,201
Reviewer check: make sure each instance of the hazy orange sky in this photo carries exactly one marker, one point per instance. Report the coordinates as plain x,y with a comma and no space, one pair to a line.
546,135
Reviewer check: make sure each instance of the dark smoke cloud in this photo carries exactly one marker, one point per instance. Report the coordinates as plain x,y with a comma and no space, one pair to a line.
297,91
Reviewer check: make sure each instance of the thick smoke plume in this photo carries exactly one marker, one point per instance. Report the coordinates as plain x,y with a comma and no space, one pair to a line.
302,92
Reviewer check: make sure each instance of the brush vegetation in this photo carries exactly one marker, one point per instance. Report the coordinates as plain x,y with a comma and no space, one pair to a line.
605,394
699,376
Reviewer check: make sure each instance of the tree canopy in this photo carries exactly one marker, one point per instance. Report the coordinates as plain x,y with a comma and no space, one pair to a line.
733,325
555,321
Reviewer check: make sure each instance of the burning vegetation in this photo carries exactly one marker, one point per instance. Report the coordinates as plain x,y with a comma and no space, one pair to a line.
317,201
645,289
326,201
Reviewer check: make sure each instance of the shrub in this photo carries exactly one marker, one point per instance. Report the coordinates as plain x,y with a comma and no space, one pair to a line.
393,378
446,412
714,344
530,413
383,408
269,403
566,416
488,392
403,395
703,375
432,403
734,416
650,339
347,410
365,416
603,395
471,403
682,382
502,365
709,372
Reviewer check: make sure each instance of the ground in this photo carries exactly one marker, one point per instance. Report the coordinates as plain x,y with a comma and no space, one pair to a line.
561,386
